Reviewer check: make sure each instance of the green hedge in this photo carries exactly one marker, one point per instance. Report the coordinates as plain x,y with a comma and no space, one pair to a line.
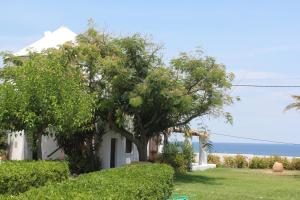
19,176
237,161
138,181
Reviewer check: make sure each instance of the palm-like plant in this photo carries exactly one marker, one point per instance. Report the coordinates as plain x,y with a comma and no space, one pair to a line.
295,105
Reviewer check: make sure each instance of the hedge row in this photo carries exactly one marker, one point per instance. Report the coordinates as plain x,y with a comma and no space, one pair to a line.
19,176
240,161
138,181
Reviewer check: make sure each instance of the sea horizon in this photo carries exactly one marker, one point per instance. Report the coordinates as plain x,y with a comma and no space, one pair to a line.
264,149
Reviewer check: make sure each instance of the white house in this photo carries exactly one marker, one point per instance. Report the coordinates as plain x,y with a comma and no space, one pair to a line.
115,150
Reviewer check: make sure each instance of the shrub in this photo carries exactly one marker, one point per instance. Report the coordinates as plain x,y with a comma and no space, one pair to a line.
237,161
138,181
214,159
295,164
188,154
19,176
229,161
171,155
259,163
273,159
240,161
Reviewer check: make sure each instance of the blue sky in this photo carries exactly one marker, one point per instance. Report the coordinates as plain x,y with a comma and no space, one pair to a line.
258,40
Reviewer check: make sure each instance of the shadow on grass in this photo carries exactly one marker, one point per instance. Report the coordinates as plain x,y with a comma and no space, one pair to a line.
195,178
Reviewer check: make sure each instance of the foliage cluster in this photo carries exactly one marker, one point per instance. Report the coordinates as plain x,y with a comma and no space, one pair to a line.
179,155
237,161
138,181
240,161
19,176
268,162
214,159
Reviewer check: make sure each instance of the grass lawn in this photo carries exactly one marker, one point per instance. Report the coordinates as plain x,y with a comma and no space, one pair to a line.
239,184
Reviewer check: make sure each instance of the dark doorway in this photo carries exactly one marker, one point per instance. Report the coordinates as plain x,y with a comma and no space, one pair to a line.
113,152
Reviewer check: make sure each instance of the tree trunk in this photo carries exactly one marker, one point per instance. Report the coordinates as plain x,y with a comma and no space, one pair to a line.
142,148
143,153
39,145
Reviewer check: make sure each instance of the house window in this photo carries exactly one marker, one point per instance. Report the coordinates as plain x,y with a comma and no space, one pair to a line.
128,146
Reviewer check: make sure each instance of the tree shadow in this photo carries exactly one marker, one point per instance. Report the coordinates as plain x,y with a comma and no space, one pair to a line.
193,178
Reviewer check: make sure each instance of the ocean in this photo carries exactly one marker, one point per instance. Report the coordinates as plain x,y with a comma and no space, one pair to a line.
254,148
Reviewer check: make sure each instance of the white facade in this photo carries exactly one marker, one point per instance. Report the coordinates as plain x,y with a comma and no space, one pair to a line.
20,149
120,156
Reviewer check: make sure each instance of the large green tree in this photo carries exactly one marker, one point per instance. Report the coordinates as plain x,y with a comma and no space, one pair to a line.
140,97
42,94
152,98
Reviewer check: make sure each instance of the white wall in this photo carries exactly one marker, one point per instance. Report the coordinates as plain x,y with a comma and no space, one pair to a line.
49,145
121,157
19,148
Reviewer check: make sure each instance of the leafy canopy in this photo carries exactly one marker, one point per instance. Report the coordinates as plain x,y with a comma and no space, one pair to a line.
43,91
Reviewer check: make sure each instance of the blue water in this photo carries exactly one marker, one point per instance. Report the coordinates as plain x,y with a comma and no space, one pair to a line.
256,149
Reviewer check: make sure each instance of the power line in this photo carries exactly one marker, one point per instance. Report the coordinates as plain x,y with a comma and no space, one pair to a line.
266,86
254,139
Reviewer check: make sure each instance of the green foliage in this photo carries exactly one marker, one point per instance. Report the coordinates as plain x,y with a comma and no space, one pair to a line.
259,163
214,159
229,161
283,160
171,155
138,181
179,155
295,164
188,153
237,161
45,93
19,176
3,143
155,96
240,161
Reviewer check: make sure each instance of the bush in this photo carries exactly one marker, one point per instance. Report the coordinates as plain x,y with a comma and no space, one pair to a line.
237,161
259,163
19,176
138,181
229,161
171,155
283,160
188,154
213,159
295,164
240,161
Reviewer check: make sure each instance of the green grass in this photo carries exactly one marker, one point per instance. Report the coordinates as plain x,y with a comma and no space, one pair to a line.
239,184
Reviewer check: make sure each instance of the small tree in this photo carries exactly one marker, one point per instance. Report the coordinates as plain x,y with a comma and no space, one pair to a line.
41,94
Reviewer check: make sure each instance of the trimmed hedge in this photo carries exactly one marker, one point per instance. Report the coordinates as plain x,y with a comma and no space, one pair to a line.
137,181
19,176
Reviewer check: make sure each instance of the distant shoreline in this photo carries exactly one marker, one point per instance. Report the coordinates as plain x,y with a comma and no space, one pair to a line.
250,149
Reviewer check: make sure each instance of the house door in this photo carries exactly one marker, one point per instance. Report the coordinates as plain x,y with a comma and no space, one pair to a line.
113,152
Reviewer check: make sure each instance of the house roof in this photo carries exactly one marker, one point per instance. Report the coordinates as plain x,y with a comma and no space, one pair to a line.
49,40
